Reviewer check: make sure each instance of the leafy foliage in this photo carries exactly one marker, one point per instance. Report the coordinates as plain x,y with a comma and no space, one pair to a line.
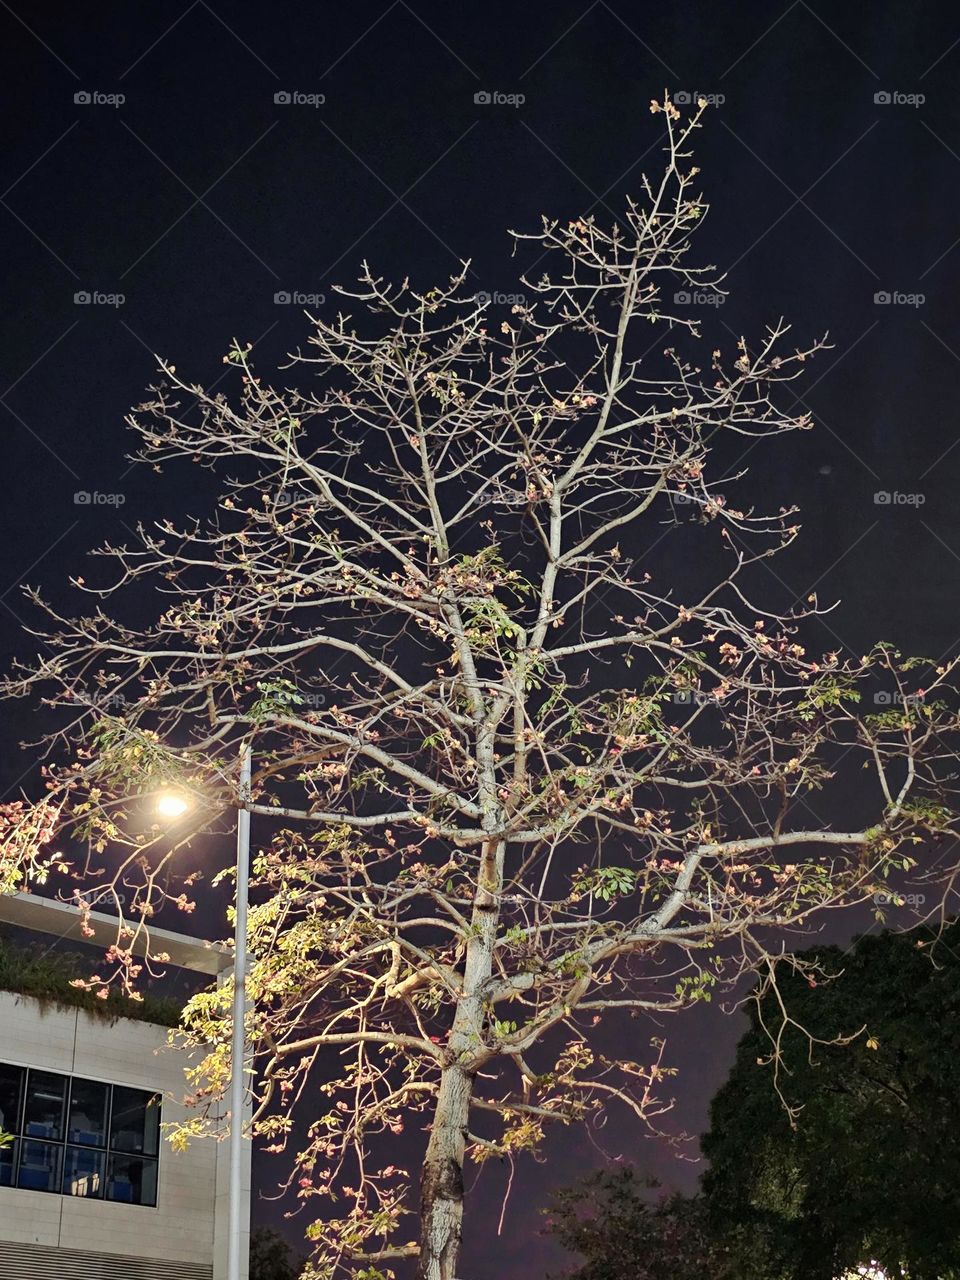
271,1257
623,1231
855,1155
49,976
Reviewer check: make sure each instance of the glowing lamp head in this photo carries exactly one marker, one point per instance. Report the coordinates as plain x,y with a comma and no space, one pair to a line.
170,804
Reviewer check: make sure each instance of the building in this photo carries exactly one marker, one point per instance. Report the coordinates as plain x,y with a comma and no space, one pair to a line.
89,1190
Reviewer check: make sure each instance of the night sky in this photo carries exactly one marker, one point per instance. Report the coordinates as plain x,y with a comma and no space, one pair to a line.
151,167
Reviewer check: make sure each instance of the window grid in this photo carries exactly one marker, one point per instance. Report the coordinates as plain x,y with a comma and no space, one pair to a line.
104,1150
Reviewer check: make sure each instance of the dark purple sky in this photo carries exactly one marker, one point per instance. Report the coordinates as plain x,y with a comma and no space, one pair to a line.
198,198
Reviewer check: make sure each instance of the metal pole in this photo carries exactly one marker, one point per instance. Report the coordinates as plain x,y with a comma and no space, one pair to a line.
237,1078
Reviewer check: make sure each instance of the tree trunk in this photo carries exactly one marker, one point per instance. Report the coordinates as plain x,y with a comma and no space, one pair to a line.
441,1184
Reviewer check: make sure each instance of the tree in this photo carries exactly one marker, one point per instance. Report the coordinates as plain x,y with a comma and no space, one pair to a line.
271,1258
863,1161
510,781
621,1234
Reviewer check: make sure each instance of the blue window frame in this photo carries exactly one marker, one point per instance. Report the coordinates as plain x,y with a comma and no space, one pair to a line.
77,1137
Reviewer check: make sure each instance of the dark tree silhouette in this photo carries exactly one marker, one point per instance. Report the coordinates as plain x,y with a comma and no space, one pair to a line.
863,1162
624,1231
271,1257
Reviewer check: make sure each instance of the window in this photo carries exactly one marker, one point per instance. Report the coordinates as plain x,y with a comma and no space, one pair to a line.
39,1166
76,1137
43,1113
135,1124
11,1088
87,1123
132,1179
6,1165
83,1173
11,1097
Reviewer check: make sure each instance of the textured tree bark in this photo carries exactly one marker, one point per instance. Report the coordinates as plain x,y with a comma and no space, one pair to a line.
441,1183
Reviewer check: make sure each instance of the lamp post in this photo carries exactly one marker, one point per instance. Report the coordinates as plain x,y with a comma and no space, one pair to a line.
239,1013
172,805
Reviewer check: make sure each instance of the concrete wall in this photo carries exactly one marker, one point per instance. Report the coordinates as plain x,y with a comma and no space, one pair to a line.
183,1228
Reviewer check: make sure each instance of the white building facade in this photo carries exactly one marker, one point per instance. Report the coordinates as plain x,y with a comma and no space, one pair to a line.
89,1188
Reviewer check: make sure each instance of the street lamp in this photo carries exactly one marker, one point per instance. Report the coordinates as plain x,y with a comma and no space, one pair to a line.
172,805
